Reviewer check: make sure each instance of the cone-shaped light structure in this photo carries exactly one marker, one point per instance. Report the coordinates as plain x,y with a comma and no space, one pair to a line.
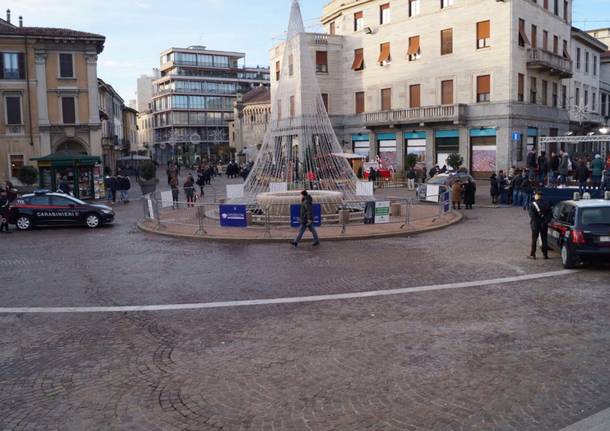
300,146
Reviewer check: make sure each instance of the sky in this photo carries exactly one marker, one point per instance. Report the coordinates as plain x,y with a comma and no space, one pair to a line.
138,30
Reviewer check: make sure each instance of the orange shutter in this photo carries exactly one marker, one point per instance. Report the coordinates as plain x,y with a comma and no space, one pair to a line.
385,6
446,41
358,15
386,99
522,34
325,100
321,58
483,84
483,30
359,103
566,50
534,36
384,53
413,45
358,59
414,96
447,92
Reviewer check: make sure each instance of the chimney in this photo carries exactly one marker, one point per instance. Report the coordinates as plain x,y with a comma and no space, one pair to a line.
8,16
20,21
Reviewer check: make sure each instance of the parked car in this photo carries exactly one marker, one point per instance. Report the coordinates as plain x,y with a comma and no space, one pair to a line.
580,231
47,209
444,182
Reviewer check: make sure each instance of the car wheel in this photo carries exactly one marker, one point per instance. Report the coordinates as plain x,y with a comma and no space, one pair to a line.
93,221
23,222
567,257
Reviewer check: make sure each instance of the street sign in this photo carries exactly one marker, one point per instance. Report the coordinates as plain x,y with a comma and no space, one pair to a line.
295,215
516,136
233,216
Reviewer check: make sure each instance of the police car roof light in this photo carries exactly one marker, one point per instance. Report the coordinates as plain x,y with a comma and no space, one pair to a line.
586,196
41,192
576,196
607,196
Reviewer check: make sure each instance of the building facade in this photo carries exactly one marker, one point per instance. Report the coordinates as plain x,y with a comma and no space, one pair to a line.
130,131
111,114
145,90
474,77
49,98
251,115
193,100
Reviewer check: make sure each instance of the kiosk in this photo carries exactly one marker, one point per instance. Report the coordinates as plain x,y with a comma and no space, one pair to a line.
81,173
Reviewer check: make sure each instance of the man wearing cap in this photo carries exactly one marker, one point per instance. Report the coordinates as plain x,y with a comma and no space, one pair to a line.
540,216
306,217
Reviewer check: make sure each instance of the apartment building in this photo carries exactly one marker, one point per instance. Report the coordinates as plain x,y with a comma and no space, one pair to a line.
476,77
251,115
585,101
130,131
111,114
193,101
604,86
48,94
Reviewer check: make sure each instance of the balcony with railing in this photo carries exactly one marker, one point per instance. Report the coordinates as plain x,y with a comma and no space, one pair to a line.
539,59
426,114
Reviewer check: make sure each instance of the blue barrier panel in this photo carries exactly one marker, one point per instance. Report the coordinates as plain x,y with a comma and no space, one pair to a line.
295,215
233,216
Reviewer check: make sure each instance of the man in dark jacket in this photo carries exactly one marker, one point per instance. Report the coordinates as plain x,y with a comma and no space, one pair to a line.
531,164
564,167
553,167
540,216
4,211
543,167
306,218
582,175
516,185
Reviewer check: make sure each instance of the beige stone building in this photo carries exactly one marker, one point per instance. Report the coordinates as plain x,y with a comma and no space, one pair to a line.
131,143
48,89
251,113
476,77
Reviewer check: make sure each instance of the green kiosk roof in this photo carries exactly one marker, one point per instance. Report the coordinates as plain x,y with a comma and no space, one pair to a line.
59,159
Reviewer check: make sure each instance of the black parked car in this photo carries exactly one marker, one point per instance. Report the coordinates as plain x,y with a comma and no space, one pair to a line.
580,230
46,209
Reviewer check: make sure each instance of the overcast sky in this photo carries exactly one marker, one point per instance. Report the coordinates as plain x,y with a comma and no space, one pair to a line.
138,30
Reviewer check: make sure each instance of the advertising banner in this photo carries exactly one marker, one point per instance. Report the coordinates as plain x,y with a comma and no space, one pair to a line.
233,216
295,215
382,212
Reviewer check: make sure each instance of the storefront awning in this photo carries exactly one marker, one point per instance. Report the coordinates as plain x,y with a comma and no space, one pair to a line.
62,160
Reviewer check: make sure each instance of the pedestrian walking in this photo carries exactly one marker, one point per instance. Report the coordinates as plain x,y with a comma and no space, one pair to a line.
540,216
306,219
189,190
4,211
456,195
110,183
597,169
493,188
123,187
411,179
173,183
470,191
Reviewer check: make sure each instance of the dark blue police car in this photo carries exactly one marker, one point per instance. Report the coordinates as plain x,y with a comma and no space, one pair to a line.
48,209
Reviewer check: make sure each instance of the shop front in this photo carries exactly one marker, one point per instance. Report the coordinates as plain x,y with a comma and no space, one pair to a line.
387,151
415,143
483,152
361,145
80,174
446,142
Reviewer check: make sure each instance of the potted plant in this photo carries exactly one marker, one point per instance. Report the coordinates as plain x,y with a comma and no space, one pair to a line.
455,161
148,177
28,175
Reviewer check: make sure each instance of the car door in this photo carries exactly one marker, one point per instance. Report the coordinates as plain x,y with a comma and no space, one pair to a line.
40,209
65,210
559,224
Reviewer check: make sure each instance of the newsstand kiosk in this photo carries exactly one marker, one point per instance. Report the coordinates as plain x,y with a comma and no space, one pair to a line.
81,173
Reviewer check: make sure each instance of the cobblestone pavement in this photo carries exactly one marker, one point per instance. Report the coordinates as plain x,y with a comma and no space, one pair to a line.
522,356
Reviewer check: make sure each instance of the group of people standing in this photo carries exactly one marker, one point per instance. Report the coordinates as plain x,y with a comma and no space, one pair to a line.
463,193
557,169
113,184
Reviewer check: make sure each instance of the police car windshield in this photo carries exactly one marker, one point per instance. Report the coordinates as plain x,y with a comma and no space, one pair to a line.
595,216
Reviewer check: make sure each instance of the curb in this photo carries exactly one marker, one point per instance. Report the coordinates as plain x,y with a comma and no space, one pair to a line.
145,229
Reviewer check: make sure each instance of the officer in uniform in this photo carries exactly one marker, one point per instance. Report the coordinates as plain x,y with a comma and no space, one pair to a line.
540,216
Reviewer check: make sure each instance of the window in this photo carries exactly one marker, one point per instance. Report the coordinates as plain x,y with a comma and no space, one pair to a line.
292,106
545,40
555,45
332,29
577,96
384,54
414,96
520,87
16,165
483,34
325,101
555,100
384,13
360,102
386,99
578,58
413,7
534,36
586,99
523,40
66,66
358,63
566,10
546,4
40,200
13,112
447,92
566,50
446,41
358,21
291,65
414,51
277,70
603,105
594,65
446,3
483,88
556,7
279,109
322,61
564,96
586,61
68,110
594,101
545,90
12,65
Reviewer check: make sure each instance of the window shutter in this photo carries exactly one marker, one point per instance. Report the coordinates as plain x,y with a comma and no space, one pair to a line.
68,110
521,86
358,59
13,110
386,99
524,40
447,92
413,45
483,30
483,84
414,96
534,36
446,41
321,58
21,65
359,102
384,53
566,51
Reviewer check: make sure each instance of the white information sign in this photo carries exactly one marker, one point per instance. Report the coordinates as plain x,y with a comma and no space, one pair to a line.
364,188
166,199
382,212
278,187
235,191
432,193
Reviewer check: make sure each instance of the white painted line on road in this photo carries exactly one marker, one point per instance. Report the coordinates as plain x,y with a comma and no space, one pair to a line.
291,300
597,422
